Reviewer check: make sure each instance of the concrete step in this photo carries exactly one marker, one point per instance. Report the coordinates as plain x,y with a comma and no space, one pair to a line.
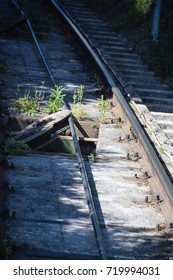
74,4
131,60
143,85
157,100
121,48
127,67
137,71
165,108
108,38
108,44
124,55
166,124
169,133
167,117
149,80
162,91
92,21
102,33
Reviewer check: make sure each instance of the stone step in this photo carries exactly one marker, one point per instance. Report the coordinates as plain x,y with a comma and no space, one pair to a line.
102,33
137,71
93,21
124,55
157,100
74,4
165,108
166,124
116,47
162,91
126,67
169,133
143,85
108,44
108,38
144,79
163,116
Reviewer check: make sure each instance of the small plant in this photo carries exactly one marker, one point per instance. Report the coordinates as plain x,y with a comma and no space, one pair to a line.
56,99
161,149
78,110
29,104
14,147
103,108
5,248
94,156
97,82
95,125
143,6
78,95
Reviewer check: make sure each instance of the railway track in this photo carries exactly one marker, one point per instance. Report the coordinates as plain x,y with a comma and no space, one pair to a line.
149,97
48,194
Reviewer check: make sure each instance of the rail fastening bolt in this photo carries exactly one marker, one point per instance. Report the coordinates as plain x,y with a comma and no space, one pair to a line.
128,137
136,139
146,176
158,227
136,155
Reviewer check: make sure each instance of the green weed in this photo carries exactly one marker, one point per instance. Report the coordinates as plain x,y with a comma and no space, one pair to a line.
78,95
29,103
78,110
94,156
98,82
14,147
56,100
161,149
142,6
103,109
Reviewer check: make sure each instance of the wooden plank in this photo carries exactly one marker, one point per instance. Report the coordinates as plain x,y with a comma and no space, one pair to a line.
44,126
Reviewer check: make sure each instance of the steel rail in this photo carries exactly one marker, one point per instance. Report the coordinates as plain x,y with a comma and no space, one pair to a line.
90,202
99,60
35,40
